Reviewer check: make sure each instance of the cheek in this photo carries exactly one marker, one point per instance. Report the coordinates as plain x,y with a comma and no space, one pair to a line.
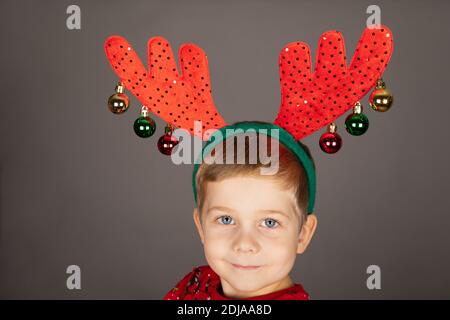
216,241
282,247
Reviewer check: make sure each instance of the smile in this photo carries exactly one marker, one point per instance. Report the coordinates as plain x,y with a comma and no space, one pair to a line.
238,266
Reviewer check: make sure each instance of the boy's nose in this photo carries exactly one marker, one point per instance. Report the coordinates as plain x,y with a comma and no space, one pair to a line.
245,242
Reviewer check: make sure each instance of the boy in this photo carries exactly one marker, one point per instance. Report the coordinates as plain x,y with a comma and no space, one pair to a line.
252,226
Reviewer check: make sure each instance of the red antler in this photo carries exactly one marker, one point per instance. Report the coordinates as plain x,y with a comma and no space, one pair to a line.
179,100
312,100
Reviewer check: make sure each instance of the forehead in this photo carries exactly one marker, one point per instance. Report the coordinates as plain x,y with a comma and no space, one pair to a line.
245,194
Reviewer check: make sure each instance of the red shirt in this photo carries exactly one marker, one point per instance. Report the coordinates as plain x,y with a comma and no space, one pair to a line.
202,283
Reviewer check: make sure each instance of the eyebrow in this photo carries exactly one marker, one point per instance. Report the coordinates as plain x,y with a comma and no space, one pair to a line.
230,210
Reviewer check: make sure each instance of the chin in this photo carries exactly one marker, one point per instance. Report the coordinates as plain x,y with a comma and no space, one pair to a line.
246,283
245,286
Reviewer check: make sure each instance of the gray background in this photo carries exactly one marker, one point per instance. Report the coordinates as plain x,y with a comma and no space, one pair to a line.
78,187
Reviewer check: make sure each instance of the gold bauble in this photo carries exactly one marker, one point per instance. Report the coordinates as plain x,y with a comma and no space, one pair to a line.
118,103
381,100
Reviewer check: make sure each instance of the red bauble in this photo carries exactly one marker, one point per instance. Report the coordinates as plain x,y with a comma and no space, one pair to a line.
330,142
166,144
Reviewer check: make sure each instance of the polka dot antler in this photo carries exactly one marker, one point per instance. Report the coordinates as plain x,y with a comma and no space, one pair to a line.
309,100
312,100
178,99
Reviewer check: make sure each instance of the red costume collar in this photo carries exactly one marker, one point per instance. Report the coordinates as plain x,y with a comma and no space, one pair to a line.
202,283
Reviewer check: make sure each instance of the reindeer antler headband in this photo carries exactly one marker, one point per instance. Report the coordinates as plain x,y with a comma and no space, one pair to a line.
309,100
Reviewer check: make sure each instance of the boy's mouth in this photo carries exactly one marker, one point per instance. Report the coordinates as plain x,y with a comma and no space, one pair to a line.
238,266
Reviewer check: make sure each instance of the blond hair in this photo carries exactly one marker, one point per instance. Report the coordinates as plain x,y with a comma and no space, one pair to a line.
290,174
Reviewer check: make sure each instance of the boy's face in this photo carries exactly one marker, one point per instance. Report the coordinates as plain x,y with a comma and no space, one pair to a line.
251,222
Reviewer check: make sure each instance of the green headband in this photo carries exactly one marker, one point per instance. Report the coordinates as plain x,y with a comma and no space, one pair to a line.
284,137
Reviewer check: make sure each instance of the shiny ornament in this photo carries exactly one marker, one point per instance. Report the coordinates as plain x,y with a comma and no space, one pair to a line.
357,123
381,99
167,142
118,103
331,141
144,126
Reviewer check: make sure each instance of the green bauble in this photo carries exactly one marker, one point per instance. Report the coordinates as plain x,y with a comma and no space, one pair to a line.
356,124
144,127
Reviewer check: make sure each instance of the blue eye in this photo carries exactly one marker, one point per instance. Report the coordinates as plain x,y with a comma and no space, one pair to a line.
225,219
271,223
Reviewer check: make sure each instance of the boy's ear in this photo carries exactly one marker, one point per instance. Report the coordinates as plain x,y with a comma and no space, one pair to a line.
308,229
198,223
